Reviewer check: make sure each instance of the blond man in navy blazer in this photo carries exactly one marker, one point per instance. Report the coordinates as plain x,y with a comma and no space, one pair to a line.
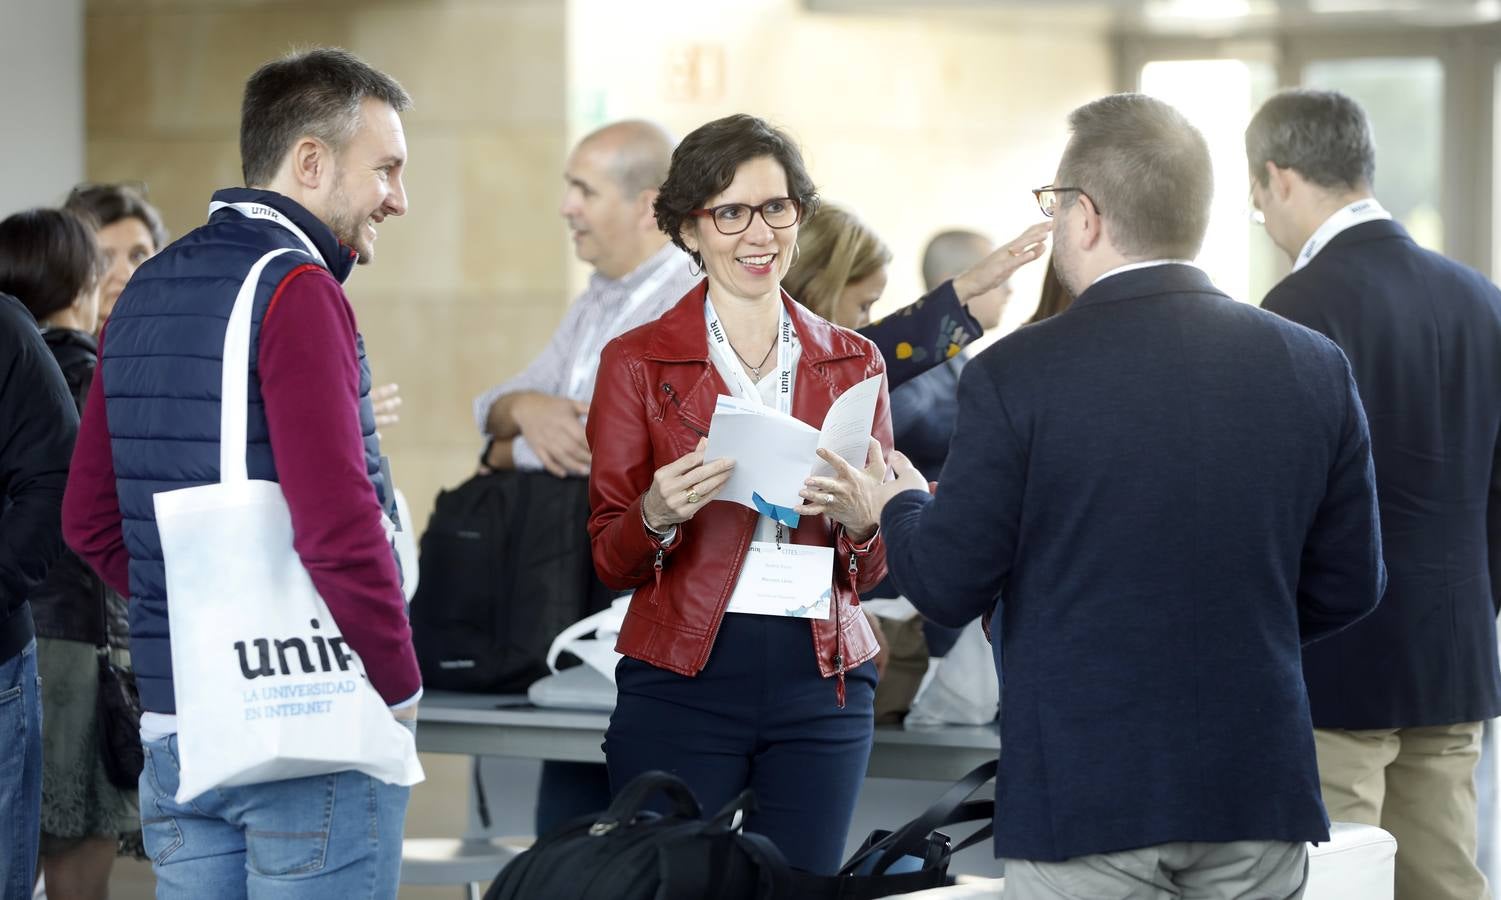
1398,699
1160,495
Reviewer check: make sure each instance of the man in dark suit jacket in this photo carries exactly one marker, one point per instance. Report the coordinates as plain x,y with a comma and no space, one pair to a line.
1397,700
1170,493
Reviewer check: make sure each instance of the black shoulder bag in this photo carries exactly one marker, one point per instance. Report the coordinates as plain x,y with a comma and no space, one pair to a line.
117,714
630,853
914,857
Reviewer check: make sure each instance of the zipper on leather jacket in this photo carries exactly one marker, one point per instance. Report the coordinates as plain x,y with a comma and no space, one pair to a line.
657,569
839,635
682,413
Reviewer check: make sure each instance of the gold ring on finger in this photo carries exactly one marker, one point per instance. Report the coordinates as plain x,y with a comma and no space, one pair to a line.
692,495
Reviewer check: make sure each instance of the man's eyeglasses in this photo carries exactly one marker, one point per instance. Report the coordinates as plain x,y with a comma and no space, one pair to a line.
1047,198
733,218
1253,211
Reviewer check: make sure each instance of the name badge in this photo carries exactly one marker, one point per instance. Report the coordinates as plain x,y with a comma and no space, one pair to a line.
793,580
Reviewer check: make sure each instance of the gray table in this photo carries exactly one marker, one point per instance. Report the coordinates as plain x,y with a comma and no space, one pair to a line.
504,725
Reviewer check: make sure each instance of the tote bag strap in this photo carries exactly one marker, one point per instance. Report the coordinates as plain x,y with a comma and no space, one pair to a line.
234,383
587,625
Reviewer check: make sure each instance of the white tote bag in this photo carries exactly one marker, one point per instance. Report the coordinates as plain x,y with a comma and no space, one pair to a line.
266,687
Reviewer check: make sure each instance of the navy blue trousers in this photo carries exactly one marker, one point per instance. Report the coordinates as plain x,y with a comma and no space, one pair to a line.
567,791
758,716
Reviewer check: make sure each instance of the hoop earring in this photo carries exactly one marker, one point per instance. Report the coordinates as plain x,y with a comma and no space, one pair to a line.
695,265
797,250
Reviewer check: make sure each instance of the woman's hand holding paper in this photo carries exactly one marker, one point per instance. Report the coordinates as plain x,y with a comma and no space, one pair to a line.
683,487
853,497
844,497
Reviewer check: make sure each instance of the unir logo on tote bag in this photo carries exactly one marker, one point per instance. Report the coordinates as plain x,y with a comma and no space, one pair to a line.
265,685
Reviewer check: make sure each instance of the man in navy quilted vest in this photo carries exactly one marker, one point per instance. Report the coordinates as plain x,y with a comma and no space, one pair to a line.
323,152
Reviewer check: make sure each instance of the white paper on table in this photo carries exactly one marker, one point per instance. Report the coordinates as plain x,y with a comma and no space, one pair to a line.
774,453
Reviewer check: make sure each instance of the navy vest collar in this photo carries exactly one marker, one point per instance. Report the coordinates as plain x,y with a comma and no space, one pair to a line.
339,256
1169,278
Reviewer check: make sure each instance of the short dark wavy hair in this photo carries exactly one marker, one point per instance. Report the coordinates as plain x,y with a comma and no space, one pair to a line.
47,258
705,163
1322,135
316,92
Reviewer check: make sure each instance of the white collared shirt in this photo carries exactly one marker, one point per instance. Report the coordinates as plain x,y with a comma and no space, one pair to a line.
566,368
1147,264
1357,213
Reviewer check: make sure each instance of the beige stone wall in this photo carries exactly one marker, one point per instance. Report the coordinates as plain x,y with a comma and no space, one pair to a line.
473,279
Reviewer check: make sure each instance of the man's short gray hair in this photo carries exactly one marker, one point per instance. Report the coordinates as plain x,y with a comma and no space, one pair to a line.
1322,135
1147,170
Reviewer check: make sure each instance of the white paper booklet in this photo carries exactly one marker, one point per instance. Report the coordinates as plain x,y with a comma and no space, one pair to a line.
774,453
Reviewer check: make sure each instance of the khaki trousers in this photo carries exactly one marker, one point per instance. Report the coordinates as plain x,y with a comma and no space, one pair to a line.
1264,870
1418,784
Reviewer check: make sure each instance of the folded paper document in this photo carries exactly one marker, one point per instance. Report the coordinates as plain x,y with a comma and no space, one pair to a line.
774,453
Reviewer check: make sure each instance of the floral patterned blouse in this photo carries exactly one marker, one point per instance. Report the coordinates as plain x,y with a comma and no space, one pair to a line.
923,334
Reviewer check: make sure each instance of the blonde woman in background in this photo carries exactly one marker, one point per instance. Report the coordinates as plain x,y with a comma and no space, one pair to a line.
840,272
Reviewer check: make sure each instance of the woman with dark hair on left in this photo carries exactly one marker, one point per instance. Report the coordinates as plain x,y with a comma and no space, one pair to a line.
50,262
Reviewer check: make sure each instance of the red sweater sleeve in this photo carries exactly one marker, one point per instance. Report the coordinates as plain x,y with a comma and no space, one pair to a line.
309,375
91,507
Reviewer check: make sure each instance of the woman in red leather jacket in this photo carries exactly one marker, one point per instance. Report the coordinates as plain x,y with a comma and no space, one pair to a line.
718,686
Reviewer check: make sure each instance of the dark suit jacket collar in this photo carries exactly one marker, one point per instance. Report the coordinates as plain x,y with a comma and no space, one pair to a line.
680,336
1167,278
1380,229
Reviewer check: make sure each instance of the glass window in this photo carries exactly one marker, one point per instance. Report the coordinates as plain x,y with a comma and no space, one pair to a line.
1404,98
1219,96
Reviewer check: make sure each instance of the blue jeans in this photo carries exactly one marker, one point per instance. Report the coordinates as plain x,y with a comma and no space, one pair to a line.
322,837
20,772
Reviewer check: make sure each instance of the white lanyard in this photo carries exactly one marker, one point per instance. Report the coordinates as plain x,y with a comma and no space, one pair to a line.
1367,210
586,360
262,211
719,345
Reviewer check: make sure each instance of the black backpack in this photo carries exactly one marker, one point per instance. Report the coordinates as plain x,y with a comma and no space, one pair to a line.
628,853
505,567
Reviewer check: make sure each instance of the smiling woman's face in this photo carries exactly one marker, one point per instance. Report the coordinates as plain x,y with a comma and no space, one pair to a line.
750,264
